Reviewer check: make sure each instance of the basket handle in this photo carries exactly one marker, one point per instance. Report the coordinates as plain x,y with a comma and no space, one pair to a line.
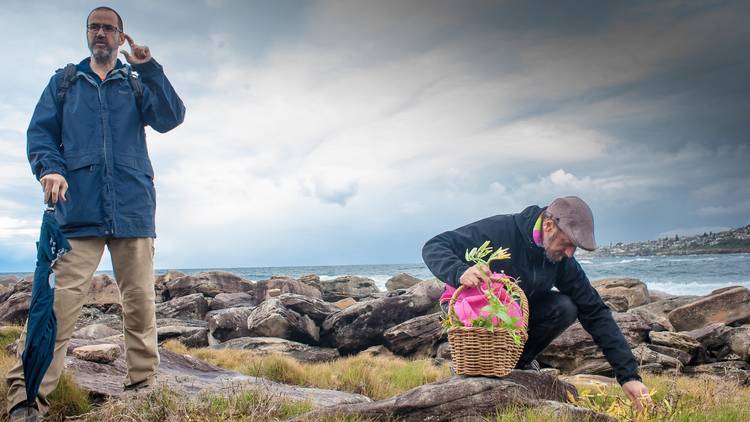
514,289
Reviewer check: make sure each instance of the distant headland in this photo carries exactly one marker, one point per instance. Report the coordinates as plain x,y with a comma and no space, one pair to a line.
731,241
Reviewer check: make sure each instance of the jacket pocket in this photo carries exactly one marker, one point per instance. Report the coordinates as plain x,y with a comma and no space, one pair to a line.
79,161
84,206
134,187
135,162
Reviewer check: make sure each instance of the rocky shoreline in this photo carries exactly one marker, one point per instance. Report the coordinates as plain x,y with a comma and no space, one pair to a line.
726,242
313,320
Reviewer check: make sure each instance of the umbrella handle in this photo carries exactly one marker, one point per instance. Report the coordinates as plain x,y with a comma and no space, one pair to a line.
50,206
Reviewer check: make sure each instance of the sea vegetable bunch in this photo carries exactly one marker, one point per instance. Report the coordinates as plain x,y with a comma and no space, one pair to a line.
502,310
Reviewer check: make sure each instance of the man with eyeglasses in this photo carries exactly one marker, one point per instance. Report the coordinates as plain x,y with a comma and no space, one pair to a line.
541,242
86,145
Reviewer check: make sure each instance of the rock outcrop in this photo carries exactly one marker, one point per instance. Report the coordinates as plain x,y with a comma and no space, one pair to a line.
725,306
362,325
622,293
468,398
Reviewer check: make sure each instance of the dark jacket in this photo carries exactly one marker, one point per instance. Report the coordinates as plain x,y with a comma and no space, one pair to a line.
96,140
444,256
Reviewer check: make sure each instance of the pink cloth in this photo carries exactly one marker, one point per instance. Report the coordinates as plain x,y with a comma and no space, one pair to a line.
471,300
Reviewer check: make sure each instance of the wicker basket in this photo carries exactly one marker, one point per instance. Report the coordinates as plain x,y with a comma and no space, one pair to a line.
479,351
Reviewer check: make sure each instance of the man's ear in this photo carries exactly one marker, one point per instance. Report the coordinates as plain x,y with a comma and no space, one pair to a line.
547,225
122,39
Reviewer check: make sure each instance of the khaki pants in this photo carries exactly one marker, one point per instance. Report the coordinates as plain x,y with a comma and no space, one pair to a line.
133,263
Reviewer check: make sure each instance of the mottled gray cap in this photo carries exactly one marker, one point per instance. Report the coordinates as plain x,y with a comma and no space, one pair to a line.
575,219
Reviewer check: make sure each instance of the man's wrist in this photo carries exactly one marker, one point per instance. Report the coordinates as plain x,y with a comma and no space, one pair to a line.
150,66
629,378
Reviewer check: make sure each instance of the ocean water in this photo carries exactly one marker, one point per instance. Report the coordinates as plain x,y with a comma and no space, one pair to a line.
679,275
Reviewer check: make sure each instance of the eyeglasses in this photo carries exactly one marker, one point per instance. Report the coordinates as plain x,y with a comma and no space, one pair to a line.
108,29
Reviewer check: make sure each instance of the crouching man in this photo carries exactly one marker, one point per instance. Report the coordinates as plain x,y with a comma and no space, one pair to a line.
542,242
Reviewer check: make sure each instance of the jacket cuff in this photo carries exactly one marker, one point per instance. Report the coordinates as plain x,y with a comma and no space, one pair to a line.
625,379
51,170
150,67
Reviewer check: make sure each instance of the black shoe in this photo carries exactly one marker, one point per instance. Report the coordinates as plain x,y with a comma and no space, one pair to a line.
531,366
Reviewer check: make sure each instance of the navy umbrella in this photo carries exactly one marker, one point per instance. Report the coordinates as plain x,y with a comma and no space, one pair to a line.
41,329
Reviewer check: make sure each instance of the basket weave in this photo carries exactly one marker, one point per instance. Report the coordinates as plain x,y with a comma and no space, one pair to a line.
479,351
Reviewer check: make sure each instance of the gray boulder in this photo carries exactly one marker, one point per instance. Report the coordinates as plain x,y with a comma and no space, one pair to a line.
401,281
739,342
680,341
417,336
189,336
232,300
230,323
738,371
317,309
95,332
193,306
724,306
160,284
277,346
98,353
208,284
358,288
362,325
627,292
7,281
15,308
275,286
678,354
644,355
714,340
656,312
574,347
103,291
272,319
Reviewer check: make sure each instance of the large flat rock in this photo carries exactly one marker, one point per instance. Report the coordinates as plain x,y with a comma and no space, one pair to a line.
192,377
468,398
723,306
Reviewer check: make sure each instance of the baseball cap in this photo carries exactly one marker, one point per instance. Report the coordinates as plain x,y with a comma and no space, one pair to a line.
574,218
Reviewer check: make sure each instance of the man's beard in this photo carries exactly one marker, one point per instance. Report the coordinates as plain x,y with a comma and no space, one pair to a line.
546,242
102,54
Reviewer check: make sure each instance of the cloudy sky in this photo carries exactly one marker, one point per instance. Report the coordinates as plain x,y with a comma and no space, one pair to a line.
350,132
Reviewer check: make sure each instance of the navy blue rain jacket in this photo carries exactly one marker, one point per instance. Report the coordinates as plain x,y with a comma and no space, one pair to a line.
96,140
444,256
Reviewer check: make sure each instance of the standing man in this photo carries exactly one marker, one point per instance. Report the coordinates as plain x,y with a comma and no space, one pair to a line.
86,145
542,242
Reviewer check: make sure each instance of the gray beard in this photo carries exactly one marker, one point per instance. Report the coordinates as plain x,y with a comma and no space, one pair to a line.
102,56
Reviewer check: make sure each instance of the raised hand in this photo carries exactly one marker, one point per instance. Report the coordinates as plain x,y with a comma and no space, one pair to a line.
138,53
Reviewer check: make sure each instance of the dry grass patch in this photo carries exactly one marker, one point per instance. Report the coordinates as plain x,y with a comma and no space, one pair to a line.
66,401
165,405
676,399
375,377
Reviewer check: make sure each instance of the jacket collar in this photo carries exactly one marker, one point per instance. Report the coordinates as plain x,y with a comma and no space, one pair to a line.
525,222
85,67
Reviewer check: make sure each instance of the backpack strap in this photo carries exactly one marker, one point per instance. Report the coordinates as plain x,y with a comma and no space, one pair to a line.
137,86
70,74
